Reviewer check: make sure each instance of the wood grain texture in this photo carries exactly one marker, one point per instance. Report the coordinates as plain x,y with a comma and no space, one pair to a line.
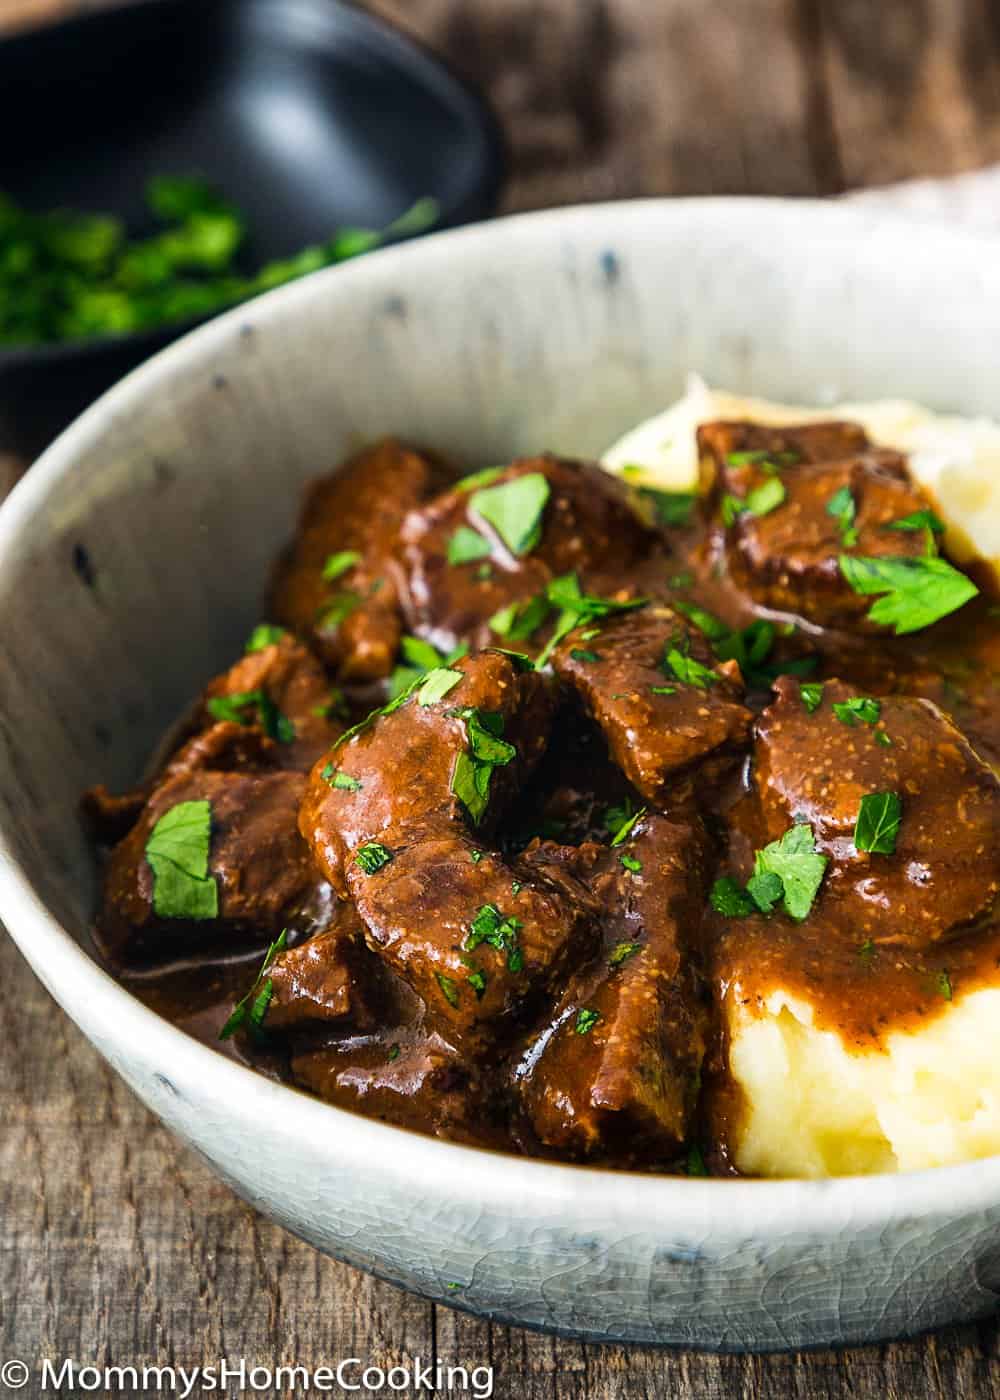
116,1244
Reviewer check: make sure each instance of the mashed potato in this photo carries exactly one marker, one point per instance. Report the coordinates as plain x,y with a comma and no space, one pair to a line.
930,1096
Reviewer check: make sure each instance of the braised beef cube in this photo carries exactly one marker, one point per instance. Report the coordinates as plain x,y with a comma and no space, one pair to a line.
283,690
478,558
662,701
728,448
327,980
926,874
475,938
460,757
414,1082
615,1072
336,583
787,523
257,863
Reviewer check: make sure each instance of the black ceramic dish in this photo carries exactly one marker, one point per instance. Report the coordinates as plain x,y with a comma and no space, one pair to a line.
307,114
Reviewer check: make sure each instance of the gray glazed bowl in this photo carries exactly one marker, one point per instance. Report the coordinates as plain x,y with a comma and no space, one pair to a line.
131,563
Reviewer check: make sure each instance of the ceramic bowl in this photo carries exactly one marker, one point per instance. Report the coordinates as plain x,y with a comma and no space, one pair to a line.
131,564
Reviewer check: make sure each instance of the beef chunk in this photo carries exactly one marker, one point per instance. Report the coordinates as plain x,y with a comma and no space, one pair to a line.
326,980
659,719
261,866
816,768
615,1072
406,763
474,937
353,619
414,1082
587,525
284,690
787,558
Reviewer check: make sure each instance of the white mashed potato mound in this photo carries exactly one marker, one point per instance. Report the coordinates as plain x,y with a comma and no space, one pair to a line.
956,460
928,1096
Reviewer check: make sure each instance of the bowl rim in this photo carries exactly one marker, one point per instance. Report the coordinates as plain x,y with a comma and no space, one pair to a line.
566,1191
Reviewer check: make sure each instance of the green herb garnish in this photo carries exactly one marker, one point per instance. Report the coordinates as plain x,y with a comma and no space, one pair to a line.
661,690
517,621
467,546
234,707
339,610
586,1020
500,932
448,987
470,781
768,496
251,1009
577,608
265,634
688,670
713,627
177,850
729,898
584,655
514,509
480,478
811,695
630,863
337,564
334,778
372,856
627,827
944,985
621,953
857,707
673,508
798,865
878,822
437,684
918,592
843,508
695,1163
919,520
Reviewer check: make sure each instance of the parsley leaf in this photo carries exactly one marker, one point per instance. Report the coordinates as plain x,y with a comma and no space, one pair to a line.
586,1020
576,608
843,508
177,850
690,671
627,827
919,520
944,984
857,707
500,932
878,822
517,621
251,1009
331,616
630,863
265,634
514,509
448,988
811,695
470,780
583,655
334,778
232,707
729,898
621,952
372,856
467,545
711,626
480,478
766,497
673,508
799,866
437,684
917,592
337,564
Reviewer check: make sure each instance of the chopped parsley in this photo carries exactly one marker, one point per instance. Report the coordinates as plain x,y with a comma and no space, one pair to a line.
811,695
730,507
630,863
917,592
517,621
673,508
233,707
627,827
768,496
335,706
867,952
477,981
577,608
688,670
878,822
621,953
394,1052
944,985
480,478
331,616
265,634
467,546
843,507
881,737
514,509
372,856
919,520
419,657
418,653
500,931
334,778
177,851
470,781
586,1020
858,707
449,989
657,690
787,872
337,564
251,1009
713,627
761,457
584,655
437,684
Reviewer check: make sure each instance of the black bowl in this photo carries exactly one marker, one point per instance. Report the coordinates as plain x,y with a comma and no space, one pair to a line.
307,114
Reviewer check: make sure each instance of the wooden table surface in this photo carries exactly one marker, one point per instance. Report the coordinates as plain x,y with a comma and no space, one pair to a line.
116,1245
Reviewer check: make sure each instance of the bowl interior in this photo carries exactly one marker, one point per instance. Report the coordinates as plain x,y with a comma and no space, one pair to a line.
132,557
